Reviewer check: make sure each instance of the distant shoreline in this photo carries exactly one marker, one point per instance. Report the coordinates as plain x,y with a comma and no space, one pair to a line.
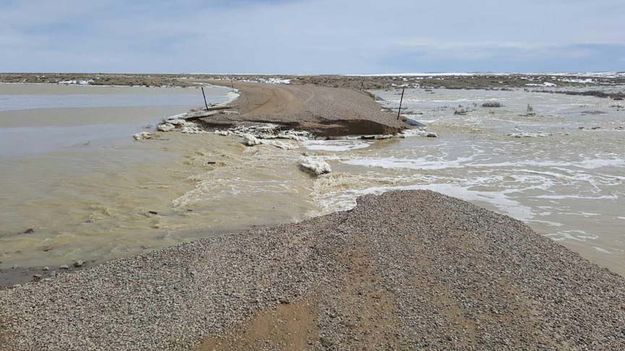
373,81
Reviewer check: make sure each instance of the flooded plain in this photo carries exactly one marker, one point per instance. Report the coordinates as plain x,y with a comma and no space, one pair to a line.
76,186
74,176
558,165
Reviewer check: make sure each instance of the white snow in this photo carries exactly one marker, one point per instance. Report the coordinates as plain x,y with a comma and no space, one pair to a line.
76,82
314,166
142,136
165,127
250,140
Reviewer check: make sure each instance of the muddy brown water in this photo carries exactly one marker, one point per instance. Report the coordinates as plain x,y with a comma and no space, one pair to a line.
90,193
77,187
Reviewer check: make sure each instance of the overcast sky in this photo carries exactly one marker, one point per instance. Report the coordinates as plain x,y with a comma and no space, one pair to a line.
312,36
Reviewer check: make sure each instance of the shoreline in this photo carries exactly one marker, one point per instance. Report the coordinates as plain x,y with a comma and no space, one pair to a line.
376,81
13,277
402,269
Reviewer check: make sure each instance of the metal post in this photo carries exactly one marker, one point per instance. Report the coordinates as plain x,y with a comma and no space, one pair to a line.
204,95
401,100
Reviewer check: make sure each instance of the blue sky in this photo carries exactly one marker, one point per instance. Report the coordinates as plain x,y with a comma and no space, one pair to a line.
312,36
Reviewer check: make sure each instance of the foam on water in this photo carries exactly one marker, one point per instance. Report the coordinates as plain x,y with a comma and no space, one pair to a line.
577,235
592,163
562,197
602,250
406,163
540,168
347,199
335,145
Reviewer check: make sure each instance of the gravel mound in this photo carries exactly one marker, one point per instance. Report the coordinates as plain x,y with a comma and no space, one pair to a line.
403,270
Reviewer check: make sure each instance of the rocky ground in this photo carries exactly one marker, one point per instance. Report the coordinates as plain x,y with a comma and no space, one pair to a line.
448,81
151,80
403,270
460,81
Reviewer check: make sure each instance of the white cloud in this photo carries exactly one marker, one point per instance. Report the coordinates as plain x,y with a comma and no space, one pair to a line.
318,36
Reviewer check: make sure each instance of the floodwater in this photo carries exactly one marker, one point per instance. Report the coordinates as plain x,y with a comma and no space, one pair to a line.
560,169
70,171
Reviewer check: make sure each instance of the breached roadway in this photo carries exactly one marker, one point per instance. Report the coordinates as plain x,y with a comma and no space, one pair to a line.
324,111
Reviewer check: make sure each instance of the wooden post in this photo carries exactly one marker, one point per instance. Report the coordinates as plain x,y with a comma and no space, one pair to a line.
401,100
204,95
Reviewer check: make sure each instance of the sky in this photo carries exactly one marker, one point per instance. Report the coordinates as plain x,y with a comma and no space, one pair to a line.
312,36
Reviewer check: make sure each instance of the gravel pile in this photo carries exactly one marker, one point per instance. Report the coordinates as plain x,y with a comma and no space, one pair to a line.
403,270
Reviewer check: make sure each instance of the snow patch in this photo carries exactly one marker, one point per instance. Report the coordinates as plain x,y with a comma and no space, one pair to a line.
76,82
314,166
142,136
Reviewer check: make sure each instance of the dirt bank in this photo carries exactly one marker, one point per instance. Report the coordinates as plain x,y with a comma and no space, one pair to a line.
403,270
324,111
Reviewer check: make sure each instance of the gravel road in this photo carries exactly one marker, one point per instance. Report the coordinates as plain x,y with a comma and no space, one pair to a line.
403,270
325,111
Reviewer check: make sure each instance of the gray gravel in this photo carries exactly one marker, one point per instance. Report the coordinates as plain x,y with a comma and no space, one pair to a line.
403,270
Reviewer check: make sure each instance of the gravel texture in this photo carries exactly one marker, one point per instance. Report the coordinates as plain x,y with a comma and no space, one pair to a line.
403,270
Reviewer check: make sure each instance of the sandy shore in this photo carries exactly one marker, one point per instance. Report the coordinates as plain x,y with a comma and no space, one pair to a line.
403,270
324,111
